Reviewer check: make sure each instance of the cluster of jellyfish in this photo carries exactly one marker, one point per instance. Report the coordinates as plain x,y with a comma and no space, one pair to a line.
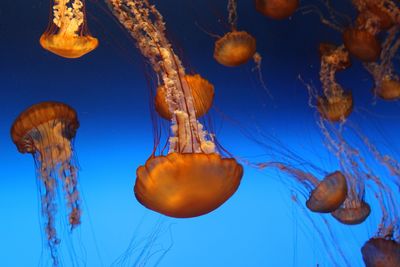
188,174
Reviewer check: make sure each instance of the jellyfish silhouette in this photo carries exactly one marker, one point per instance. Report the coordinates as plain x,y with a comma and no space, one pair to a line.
336,104
386,81
235,47
46,131
277,9
67,33
193,178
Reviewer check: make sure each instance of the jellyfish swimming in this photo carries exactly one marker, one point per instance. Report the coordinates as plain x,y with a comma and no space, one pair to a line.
193,178
46,131
386,80
336,104
67,34
201,90
380,252
277,9
235,47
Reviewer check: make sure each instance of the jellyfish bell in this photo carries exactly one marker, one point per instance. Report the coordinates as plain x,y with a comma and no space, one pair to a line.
362,44
277,9
380,252
335,108
201,89
353,213
330,193
388,89
67,34
187,185
234,48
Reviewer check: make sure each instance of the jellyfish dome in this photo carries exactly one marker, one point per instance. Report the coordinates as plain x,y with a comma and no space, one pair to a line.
362,44
380,252
388,89
234,48
335,108
187,185
67,34
352,213
201,89
277,9
329,194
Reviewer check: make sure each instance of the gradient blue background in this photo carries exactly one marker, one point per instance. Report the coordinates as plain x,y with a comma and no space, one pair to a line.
259,225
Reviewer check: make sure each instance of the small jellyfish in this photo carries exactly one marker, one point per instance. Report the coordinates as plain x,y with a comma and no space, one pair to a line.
324,196
46,131
329,193
352,212
67,34
277,9
380,252
386,80
336,104
201,89
193,178
235,47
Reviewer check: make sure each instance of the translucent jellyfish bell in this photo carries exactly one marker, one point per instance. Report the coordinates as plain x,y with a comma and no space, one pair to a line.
234,48
67,34
330,193
380,252
352,213
335,108
277,9
201,89
187,185
388,88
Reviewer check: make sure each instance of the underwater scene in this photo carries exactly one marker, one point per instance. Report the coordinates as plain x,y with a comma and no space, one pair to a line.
259,133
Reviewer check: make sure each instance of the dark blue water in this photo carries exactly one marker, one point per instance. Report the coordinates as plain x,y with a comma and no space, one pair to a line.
260,225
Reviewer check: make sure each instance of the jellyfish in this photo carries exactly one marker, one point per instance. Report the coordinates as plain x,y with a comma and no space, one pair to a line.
380,252
235,47
67,34
277,9
325,196
201,89
336,104
386,81
46,130
193,179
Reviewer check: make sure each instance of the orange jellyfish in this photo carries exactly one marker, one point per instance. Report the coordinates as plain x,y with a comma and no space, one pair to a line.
193,178
46,131
67,34
236,47
336,104
277,9
386,81
325,196
380,252
201,90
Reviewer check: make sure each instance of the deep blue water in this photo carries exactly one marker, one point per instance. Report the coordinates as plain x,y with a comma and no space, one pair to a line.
260,225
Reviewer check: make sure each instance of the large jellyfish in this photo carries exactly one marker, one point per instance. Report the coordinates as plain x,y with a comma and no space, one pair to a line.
67,34
236,47
46,131
336,104
193,178
386,81
277,9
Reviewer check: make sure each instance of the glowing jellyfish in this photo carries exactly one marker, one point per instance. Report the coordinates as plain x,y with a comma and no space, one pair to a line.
277,9
67,34
236,47
201,90
46,131
380,252
192,179
326,195
336,104
386,81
